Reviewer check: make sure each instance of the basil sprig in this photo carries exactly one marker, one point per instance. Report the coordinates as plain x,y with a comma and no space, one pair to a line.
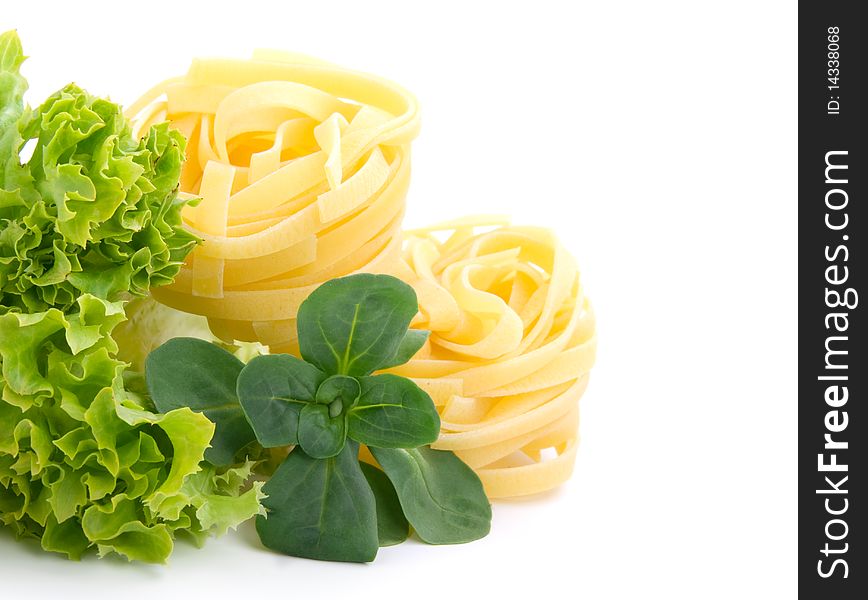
322,502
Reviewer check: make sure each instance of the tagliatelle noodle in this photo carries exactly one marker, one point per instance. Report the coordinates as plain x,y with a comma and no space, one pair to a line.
512,342
302,168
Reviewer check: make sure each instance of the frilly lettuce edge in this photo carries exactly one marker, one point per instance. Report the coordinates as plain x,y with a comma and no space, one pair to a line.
92,209
84,464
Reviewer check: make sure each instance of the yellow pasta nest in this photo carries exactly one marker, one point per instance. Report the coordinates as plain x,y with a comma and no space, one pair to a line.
512,343
302,168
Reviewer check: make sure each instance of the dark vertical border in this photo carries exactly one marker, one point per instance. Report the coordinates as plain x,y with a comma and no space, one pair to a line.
833,367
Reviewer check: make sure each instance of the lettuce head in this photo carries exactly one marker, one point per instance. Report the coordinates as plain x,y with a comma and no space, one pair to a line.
92,210
90,219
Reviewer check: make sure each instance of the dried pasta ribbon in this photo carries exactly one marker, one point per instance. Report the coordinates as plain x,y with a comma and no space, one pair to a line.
512,343
302,168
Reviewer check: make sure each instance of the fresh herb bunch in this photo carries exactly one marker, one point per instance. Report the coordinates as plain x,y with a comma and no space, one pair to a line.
322,502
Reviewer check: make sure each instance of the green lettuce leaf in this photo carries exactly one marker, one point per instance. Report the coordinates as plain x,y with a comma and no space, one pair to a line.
12,109
93,210
83,464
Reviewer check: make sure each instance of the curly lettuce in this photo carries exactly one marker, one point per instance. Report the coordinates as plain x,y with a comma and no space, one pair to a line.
83,463
93,210
90,220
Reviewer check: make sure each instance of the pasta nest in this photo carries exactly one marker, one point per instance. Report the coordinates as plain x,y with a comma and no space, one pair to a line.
302,168
512,342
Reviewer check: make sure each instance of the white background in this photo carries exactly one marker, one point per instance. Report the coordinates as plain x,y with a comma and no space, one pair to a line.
658,139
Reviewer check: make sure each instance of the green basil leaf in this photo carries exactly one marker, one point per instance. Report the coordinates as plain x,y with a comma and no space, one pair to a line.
353,325
441,496
319,434
413,340
392,525
273,389
321,509
393,412
195,373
